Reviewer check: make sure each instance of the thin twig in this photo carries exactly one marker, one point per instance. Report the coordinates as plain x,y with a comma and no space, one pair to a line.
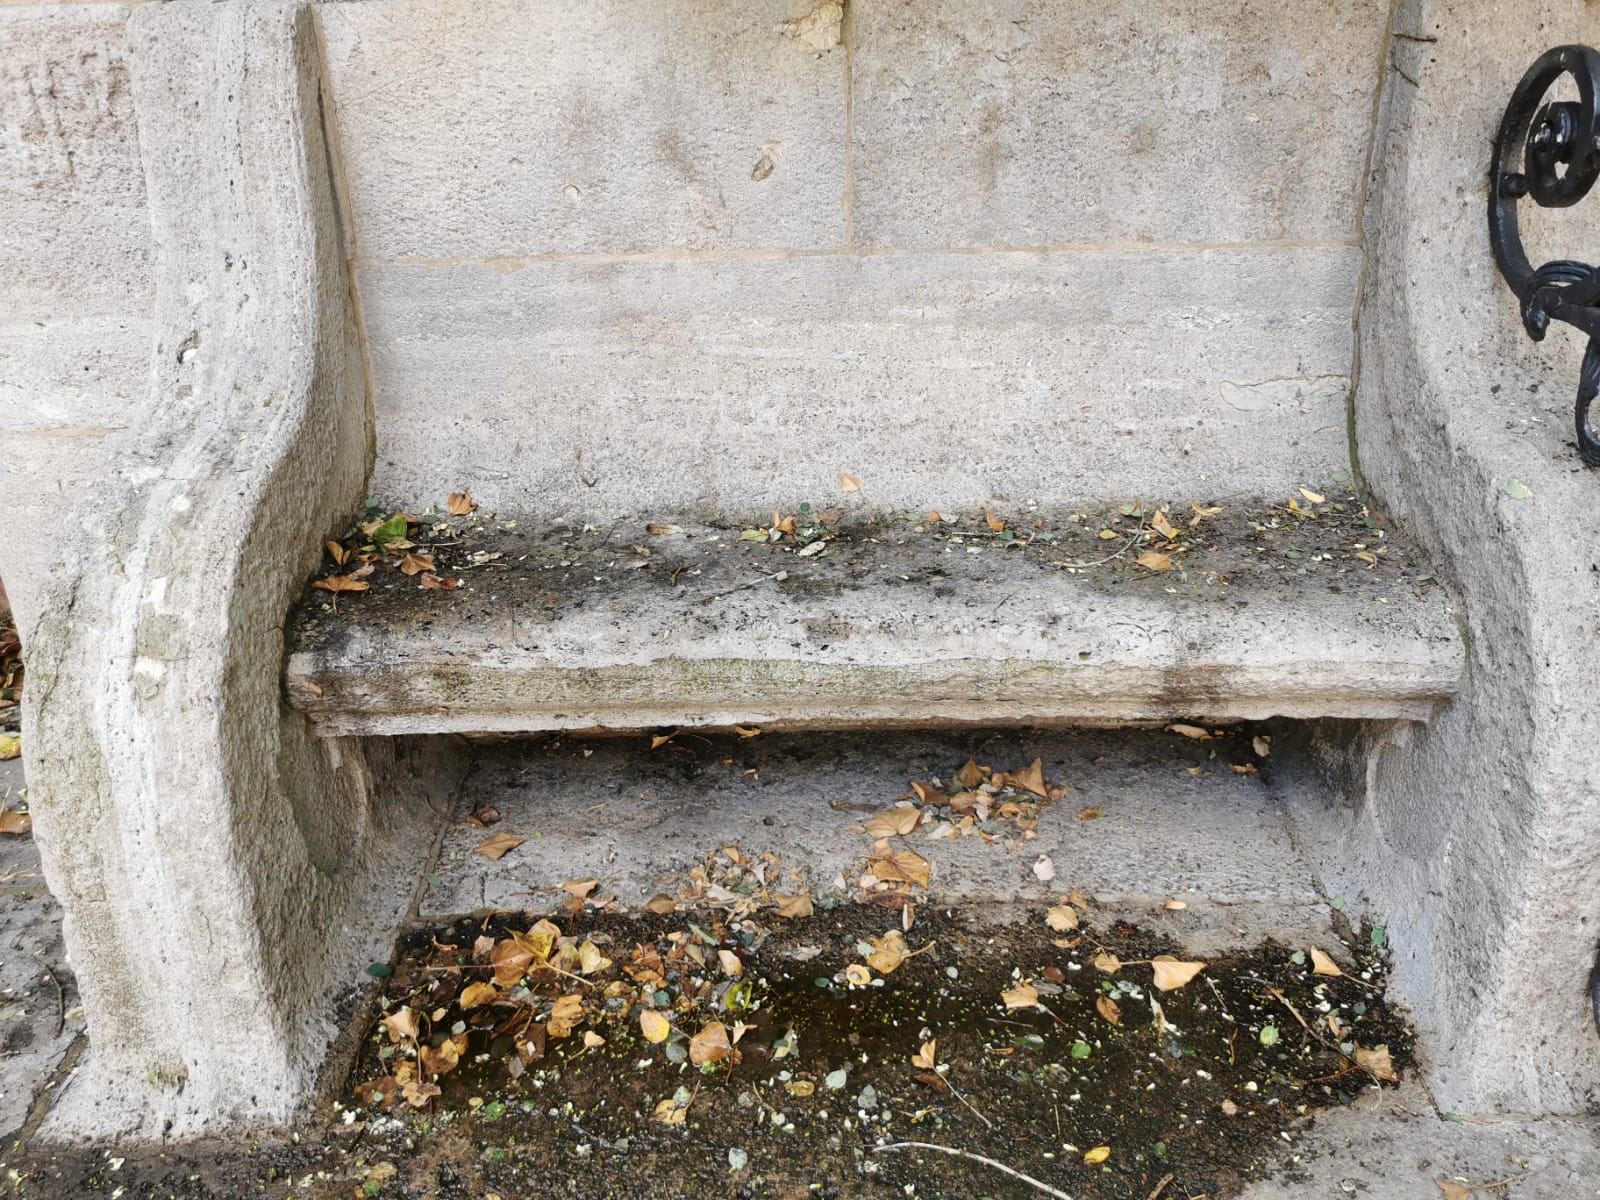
1100,562
949,1083
967,1154
61,998
740,588
1484,1187
1155,1192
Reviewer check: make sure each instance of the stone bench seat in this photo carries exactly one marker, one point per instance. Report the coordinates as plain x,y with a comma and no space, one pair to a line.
894,622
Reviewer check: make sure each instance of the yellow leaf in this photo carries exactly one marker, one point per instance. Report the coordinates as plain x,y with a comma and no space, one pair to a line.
496,845
1154,560
1092,812
732,965
591,1039
474,995
1107,1008
995,523
800,1087
889,951
670,1112
10,746
1162,526
1107,535
1171,974
1244,768
654,1026
926,1057
849,483
747,731
1312,496
1024,995
15,823
1106,963
795,906
710,1045
1190,731
1098,1155
661,739
1321,964
1062,918
894,821
857,975
1376,1062
337,552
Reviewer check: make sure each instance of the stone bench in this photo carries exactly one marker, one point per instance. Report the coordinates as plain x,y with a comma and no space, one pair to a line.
611,266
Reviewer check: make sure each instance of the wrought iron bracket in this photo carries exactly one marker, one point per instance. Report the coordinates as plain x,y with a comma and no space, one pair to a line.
1558,144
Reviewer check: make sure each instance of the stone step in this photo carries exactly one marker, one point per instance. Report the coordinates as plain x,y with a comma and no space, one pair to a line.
882,620
1147,817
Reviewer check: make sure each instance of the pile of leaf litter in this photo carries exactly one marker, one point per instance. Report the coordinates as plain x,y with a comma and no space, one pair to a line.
852,1052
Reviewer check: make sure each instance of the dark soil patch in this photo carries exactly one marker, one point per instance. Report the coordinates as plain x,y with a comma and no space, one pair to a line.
1208,1096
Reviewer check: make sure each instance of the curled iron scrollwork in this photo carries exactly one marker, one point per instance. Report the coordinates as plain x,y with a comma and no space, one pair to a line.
1558,143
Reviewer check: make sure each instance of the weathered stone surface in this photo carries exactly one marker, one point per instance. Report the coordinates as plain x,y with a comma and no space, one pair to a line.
891,626
1476,836
1007,124
611,810
222,869
505,129
75,288
938,380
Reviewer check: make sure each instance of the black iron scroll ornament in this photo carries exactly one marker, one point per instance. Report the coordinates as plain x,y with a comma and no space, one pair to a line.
1559,144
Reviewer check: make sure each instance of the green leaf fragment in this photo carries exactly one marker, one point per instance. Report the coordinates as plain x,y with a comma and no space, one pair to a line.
1518,490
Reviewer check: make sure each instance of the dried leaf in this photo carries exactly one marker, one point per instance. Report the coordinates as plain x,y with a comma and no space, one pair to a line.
341,583
1107,1008
511,959
926,1056
401,1025
1377,1063
475,995
1154,560
415,564
1106,963
1062,918
1097,1156
438,583
442,1059
1321,964
661,904
461,503
889,951
670,1112
710,1045
905,866
971,775
418,1093
1091,813
1262,746
857,975
15,823
1024,995
654,1026
794,906
1312,496
660,530
337,552
1174,905
1190,731
732,965
590,959
580,887
496,845
1044,869
1172,974
1030,779
995,523
1162,526
565,1015
1452,1190
893,822
849,483
591,1039
747,731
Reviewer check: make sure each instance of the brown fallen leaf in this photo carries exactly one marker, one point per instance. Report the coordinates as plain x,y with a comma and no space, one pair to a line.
496,845
655,1027
1030,779
1172,974
1321,964
1243,768
1024,995
849,483
1091,813
565,1015
926,1056
1062,917
591,959
889,951
401,1025
415,564
1262,746
894,821
1174,905
580,887
1106,963
15,823
1107,1008
337,552
1190,731
442,1059
475,995
857,975
1314,497
661,904
670,1112
1154,560
484,816
341,583
1162,526
1377,1063
438,583
971,775
732,965
418,1093
460,503
511,960
710,1045
904,866
656,529
794,906
996,525
591,1039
